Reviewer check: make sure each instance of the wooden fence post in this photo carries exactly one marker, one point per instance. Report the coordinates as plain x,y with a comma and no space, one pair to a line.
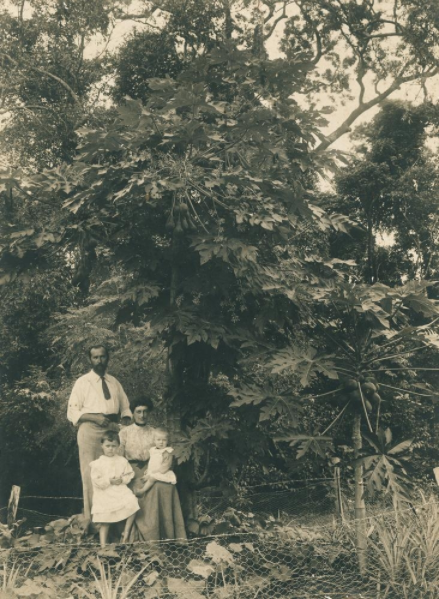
13,505
338,493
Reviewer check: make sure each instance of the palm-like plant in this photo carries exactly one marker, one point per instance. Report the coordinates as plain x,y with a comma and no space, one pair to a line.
112,584
9,576
404,552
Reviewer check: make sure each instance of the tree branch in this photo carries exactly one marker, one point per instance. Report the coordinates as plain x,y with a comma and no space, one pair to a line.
31,196
63,83
319,47
382,35
282,16
361,71
145,15
271,7
365,106
21,11
24,107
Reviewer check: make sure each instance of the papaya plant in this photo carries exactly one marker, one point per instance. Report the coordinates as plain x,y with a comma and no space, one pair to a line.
368,336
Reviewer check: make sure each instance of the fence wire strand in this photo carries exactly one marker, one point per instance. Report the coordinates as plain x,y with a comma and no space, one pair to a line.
275,553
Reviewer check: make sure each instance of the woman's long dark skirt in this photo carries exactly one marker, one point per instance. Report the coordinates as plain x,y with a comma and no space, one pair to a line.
160,516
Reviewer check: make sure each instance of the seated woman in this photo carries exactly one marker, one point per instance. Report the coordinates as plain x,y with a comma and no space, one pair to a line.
160,515
137,439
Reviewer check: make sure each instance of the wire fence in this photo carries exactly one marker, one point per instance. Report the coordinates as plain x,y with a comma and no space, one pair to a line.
271,552
307,501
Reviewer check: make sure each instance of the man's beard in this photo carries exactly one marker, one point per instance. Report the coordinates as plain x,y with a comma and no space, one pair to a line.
100,369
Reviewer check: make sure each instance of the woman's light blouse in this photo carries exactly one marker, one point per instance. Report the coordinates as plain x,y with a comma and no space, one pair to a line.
135,442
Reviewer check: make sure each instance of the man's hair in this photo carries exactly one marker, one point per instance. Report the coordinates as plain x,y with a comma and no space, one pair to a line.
142,401
110,436
99,346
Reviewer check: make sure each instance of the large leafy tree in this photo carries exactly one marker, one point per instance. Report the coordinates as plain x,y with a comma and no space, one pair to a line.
189,204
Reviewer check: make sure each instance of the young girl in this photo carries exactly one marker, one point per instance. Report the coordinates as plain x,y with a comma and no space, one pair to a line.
113,501
160,462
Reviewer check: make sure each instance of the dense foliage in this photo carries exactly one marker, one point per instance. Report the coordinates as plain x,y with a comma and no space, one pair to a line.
164,199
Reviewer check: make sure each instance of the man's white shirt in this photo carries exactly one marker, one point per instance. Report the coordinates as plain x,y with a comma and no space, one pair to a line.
87,397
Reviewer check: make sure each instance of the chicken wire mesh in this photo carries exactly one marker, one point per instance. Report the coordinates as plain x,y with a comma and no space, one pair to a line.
287,559
236,566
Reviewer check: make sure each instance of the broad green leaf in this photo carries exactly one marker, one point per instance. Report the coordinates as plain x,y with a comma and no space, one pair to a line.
219,554
185,589
200,568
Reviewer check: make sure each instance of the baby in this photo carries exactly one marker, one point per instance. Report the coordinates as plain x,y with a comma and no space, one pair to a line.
160,463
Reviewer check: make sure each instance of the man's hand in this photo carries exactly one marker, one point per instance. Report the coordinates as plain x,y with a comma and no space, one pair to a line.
115,481
101,420
126,421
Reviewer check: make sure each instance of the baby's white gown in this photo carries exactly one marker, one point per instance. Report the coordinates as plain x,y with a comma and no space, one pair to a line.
155,462
112,503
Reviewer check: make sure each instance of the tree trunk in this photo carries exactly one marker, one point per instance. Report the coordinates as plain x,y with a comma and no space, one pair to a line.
174,411
371,264
85,264
360,506
338,495
185,472
228,22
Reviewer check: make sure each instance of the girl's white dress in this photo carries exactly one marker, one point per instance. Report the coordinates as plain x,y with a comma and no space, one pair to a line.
112,503
155,462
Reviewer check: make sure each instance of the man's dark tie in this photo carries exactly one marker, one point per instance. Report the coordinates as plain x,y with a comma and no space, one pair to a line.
105,389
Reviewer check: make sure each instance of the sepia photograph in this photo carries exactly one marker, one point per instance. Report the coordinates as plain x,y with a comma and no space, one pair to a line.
219,299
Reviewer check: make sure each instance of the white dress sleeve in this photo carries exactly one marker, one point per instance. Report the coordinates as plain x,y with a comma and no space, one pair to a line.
128,473
99,477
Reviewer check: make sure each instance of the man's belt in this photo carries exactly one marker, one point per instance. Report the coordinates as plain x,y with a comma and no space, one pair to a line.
139,463
112,417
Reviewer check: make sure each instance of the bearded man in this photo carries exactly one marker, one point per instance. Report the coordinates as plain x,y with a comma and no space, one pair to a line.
96,404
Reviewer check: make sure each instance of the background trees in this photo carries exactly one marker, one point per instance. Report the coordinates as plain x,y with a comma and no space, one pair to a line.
163,197
391,191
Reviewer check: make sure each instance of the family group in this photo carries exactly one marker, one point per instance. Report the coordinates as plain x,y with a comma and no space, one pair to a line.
126,468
